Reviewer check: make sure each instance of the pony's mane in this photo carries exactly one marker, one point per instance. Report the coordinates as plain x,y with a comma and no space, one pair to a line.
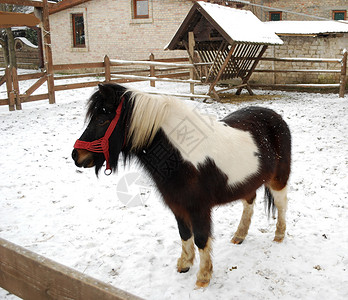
149,113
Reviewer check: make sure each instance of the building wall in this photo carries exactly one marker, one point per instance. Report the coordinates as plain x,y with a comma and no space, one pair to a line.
111,30
303,46
311,7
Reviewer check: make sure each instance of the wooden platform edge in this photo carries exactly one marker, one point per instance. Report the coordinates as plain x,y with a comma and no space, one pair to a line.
32,276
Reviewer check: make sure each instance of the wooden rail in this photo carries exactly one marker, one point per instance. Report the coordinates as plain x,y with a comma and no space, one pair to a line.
342,71
167,69
34,277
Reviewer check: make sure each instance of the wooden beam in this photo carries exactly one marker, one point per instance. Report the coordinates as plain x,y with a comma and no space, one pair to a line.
64,67
34,277
64,4
11,19
223,66
247,77
115,62
26,3
107,68
136,77
343,77
48,52
302,59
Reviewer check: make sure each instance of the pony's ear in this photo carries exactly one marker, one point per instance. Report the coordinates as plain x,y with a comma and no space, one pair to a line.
105,89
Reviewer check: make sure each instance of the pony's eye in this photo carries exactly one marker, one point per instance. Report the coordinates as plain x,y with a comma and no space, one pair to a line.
102,122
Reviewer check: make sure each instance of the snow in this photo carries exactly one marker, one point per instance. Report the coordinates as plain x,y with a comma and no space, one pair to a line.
26,42
241,25
307,27
49,206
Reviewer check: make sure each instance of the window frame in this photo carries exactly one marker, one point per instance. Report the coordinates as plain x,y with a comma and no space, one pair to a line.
75,44
339,11
280,13
135,13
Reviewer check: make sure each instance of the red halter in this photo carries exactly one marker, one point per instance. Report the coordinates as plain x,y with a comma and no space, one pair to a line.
102,145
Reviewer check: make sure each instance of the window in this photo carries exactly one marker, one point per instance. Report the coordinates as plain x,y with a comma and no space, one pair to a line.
141,9
275,15
78,31
339,14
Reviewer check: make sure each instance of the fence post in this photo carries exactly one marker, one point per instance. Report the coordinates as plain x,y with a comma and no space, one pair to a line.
343,73
16,88
10,93
152,71
48,53
191,48
107,68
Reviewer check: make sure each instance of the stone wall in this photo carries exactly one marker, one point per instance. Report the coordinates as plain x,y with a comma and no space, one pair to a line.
303,46
111,30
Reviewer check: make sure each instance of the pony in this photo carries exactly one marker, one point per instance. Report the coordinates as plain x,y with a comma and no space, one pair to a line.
195,162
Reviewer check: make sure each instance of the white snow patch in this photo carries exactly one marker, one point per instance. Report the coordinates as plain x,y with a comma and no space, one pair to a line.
49,206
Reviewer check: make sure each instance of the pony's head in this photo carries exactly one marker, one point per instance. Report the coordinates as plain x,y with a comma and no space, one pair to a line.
105,135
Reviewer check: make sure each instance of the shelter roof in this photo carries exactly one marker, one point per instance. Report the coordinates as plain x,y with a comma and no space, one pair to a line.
234,25
307,27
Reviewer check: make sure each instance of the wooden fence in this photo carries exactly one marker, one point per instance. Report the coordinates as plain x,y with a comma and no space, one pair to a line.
168,70
341,69
120,71
34,277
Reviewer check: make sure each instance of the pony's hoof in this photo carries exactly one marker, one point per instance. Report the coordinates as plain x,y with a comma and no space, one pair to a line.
202,284
236,240
183,270
278,239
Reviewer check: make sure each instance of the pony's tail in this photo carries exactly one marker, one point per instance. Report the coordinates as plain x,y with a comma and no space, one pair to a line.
269,203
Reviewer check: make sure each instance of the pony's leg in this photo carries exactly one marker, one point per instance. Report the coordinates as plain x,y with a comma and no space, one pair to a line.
243,227
281,203
201,224
188,248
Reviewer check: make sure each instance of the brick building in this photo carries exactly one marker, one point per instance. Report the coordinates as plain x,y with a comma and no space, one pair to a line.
86,30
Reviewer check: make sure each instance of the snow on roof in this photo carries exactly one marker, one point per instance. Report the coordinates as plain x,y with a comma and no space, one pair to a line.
241,25
26,42
307,27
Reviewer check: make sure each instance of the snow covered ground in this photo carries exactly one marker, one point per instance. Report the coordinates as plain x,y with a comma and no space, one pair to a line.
66,214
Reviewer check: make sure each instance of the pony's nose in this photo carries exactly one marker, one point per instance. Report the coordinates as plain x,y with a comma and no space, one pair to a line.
74,155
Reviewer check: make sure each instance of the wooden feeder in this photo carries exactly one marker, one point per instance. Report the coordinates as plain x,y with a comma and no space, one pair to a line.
224,43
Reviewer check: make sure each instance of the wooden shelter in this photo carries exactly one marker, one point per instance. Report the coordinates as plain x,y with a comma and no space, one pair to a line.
224,43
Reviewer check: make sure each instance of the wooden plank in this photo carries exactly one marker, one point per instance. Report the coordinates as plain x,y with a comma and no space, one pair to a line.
34,277
304,85
76,85
33,98
65,67
152,71
297,71
107,68
12,19
2,80
35,86
222,68
303,59
9,89
73,76
180,95
25,3
30,76
115,62
155,78
343,77
16,88
48,52
3,101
